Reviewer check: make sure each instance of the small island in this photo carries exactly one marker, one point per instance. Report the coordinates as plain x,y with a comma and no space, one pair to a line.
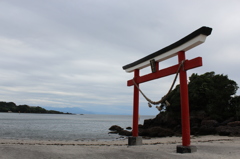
11,107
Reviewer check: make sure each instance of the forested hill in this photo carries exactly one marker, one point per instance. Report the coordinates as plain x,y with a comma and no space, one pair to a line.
12,107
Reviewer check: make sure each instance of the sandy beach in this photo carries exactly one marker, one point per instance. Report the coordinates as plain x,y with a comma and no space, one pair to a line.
165,148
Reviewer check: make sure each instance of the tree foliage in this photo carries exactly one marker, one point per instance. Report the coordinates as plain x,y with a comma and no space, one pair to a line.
211,93
12,107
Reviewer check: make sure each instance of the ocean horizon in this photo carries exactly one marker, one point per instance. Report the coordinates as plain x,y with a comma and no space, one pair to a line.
62,126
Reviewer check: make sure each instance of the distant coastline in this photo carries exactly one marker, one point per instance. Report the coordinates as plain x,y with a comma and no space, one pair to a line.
11,107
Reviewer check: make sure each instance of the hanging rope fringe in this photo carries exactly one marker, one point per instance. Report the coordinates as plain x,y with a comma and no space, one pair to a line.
164,97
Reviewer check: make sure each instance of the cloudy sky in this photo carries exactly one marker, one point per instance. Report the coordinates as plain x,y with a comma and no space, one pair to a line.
70,53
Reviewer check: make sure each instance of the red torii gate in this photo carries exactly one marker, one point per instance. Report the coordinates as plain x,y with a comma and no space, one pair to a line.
178,48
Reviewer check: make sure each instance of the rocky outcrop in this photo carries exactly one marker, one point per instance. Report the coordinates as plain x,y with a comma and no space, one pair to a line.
129,128
229,129
119,130
116,128
234,124
167,124
125,133
208,127
227,121
156,132
149,132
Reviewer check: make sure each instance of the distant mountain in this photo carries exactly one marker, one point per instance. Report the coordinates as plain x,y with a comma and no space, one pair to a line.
73,110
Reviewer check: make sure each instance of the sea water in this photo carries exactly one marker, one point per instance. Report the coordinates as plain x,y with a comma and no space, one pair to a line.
62,126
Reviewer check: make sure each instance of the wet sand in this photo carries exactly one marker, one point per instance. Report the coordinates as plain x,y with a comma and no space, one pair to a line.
207,147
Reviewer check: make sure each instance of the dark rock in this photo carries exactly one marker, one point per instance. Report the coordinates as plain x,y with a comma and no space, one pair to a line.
195,122
227,121
146,137
228,131
156,132
196,118
169,124
208,127
207,130
112,132
177,130
209,123
194,130
166,120
223,130
234,124
125,133
116,128
198,115
147,123
236,131
140,126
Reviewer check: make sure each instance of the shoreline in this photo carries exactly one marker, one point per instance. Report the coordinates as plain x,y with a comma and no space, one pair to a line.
120,141
210,146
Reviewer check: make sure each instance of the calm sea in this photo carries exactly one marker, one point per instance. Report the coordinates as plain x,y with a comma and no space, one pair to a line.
62,127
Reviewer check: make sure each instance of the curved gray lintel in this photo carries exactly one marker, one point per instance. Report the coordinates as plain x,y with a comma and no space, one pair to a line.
201,31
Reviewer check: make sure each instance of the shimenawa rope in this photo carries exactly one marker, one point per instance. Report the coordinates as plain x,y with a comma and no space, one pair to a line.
164,97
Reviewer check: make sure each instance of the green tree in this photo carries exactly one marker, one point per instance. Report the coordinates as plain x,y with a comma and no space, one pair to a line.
235,106
10,106
24,109
210,93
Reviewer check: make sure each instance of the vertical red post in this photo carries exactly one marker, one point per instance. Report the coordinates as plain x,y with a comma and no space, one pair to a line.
135,105
184,102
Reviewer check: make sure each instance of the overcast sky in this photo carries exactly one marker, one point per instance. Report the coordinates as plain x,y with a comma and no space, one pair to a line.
70,53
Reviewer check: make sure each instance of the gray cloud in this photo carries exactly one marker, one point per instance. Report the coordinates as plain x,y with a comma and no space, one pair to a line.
63,53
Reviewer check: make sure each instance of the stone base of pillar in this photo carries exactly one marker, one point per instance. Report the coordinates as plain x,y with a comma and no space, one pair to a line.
134,140
186,149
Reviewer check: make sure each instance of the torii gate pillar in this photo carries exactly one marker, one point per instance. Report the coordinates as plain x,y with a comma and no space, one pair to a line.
185,116
184,102
135,139
135,106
